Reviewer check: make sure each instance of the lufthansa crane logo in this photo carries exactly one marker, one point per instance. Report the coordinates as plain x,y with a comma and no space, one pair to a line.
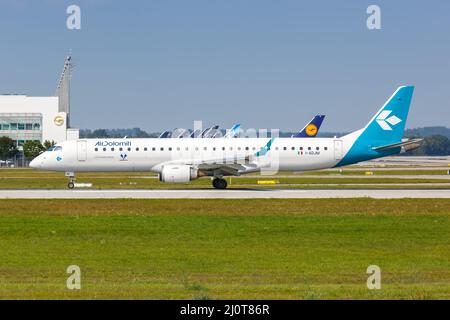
387,123
58,120
311,130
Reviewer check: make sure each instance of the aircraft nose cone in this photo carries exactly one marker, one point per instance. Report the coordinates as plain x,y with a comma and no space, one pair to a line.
35,163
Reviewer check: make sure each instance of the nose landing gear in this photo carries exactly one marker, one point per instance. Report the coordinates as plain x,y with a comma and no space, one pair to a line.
71,176
219,183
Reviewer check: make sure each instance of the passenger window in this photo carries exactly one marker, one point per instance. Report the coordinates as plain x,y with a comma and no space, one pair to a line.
284,148
96,149
104,149
317,148
112,149
162,149
247,148
214,148
170,149
223,148
205,148
326,148
129,149
293,148
309,148
153,149
301,148
120,149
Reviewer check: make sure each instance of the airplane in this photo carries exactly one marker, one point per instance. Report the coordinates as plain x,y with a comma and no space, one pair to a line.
183,160
196,134
233,131
311,129
204,132
217,134
180,133
165,135
209,132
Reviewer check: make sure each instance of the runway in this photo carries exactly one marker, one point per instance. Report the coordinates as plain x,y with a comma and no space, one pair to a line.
226,194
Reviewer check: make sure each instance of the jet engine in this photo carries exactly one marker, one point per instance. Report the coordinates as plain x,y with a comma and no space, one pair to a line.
178,174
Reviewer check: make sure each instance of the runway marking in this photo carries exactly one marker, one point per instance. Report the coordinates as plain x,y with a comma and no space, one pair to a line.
226,194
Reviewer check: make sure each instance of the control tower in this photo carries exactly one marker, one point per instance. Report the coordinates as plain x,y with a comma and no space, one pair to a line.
63,89
42,118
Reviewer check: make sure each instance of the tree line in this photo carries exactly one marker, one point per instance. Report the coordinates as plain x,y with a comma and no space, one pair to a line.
30,149
436,145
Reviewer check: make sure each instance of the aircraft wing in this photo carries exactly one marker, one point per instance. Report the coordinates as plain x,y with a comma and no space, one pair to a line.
226,169
225,166
232,166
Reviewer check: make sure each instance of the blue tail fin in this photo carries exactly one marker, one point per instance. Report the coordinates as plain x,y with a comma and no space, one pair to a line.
385,128
388,124
312,128
233,131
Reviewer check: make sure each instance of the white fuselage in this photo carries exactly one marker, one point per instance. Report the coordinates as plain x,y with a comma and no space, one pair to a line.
298,154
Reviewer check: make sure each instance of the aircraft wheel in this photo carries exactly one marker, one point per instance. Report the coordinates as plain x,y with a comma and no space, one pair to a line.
219,183
70,185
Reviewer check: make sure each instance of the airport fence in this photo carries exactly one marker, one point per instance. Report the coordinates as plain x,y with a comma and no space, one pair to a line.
18,161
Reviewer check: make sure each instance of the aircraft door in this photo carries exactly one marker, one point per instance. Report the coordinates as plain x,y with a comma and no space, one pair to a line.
338,150
82,150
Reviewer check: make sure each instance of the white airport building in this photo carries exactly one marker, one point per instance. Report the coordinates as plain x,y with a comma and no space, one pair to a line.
24,118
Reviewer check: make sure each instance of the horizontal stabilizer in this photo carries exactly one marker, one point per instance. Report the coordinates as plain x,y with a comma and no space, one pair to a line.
405,145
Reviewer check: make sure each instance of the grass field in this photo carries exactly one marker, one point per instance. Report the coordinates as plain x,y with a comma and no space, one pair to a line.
225,249
32,179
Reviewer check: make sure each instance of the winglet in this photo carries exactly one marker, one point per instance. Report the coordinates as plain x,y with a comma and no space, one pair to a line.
265,149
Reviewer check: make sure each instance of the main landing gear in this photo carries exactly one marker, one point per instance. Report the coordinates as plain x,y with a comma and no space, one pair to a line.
71,176
219,183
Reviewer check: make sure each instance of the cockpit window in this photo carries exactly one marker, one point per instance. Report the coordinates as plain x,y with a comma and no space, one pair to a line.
54,148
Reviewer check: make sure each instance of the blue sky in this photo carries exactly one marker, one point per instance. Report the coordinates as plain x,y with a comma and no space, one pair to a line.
266,64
